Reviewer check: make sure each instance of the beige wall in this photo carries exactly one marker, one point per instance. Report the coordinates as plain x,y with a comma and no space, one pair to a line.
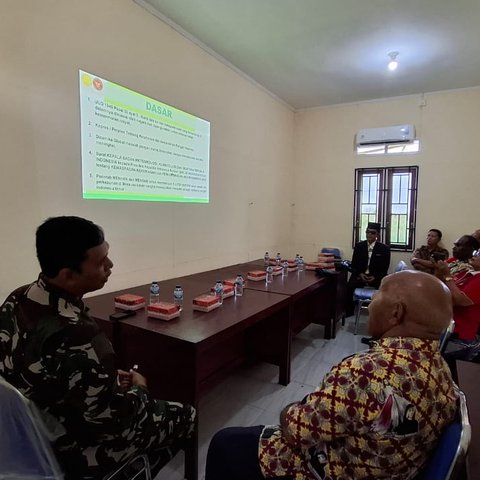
42,46
448,127
279,180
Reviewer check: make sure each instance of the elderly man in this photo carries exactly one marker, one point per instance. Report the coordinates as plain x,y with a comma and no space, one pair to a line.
377,414
56,355
370,262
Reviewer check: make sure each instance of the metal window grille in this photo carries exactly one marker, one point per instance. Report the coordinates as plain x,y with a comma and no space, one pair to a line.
387,196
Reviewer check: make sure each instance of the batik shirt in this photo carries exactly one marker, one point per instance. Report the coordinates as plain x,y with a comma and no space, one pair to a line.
377,415
56,355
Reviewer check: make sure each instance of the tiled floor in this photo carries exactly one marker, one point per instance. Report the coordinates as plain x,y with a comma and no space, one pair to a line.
252,396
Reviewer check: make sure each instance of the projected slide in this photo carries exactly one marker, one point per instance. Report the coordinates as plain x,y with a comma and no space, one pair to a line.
137,148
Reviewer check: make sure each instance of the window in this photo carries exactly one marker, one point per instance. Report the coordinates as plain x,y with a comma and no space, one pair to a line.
387,196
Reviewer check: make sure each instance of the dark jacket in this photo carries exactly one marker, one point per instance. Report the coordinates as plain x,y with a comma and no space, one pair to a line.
379,263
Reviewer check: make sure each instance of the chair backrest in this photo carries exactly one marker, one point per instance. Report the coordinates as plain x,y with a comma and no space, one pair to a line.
445,336
452,446
401,265
336,251
25,449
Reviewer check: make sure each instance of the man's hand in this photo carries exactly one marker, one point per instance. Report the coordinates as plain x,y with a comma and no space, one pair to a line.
129,379
442,269
367,278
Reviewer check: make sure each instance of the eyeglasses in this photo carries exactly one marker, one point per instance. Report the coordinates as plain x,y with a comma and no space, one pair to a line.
476,253
372,232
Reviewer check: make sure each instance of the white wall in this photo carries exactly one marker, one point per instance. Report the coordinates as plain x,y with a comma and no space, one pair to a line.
42,46
449,173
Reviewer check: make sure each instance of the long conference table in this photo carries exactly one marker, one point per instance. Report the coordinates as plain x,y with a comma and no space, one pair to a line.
184,356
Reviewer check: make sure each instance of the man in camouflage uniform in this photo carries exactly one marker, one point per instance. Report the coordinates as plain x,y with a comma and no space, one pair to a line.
56,355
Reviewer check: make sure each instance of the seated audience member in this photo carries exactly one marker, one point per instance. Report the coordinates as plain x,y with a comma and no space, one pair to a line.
466,309
423,258
370,262
376,415
462,251
476,235
57,356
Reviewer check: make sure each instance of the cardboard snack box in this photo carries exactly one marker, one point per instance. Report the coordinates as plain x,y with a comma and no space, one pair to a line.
256,275
206,302
128,301
163,310
277,270
228,290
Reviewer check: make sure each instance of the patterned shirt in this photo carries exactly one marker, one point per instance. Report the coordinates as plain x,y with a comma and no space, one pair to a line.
56,355
424,253
377,414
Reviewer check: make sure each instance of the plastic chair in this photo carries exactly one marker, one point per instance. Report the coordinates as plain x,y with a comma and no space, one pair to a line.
26,452
449,454
363,296
445,336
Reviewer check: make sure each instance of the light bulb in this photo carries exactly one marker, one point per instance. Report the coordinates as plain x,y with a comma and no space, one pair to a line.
393,65
393,61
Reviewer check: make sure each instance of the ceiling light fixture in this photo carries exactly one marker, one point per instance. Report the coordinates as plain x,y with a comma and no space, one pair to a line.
393,64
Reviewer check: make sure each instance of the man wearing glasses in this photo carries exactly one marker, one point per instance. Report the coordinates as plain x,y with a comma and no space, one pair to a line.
465,290
370,263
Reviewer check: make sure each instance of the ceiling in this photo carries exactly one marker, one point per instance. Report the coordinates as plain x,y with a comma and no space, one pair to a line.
312,53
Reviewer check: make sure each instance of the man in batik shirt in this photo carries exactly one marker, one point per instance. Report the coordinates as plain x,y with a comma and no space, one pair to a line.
56,355
376,415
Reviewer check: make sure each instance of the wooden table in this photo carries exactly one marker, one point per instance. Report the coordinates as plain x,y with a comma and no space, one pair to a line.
183,356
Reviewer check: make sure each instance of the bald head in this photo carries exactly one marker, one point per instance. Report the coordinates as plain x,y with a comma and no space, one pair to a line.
410,304
476,235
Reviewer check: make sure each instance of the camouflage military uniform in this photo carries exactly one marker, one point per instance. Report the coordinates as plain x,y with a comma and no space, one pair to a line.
56,355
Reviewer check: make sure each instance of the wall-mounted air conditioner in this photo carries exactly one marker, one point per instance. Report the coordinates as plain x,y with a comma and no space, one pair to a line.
394,134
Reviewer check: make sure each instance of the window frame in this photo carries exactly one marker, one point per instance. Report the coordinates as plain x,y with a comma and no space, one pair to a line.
383,211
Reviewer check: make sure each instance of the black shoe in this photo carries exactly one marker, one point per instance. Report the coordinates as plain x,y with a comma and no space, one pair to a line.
367,340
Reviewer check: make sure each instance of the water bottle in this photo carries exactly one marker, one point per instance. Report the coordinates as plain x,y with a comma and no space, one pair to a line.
178,296
285,269
154,292
266,259
297,259
301,264
269,277
219,290
278,258
239,285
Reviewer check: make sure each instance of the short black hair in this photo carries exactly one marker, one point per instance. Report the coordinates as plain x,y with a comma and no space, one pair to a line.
62,242
471,242
437,231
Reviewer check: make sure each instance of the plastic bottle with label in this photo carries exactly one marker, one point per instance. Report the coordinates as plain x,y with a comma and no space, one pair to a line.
239,285
266,259
301,264
269,277
154,292
178,296
278,259
219,290
285,269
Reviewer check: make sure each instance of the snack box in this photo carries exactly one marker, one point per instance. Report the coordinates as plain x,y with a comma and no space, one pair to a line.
326,257
277,270
324,265
292,266
256,275
128,301
227,290
206,302
229,281
163,310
